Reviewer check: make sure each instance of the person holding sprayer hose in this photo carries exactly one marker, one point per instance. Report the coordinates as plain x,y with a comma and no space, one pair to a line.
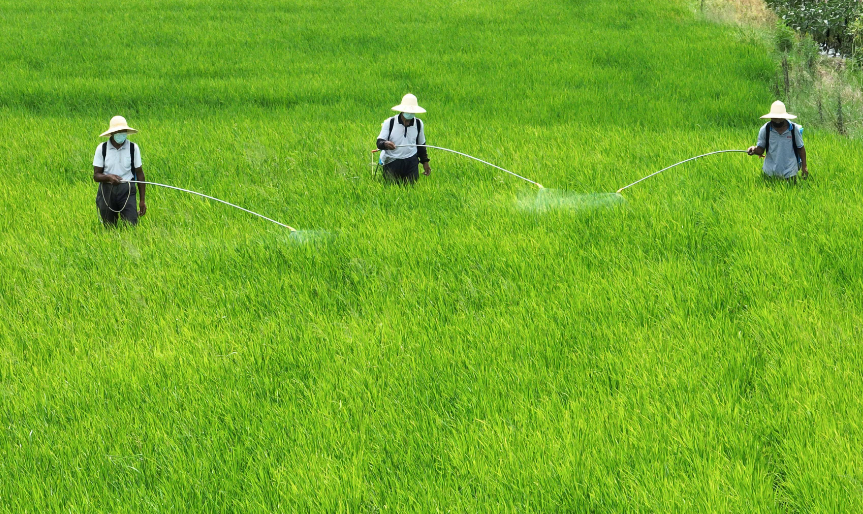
400,161
115,162
783,143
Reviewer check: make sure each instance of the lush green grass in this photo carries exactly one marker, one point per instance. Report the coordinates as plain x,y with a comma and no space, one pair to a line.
430,348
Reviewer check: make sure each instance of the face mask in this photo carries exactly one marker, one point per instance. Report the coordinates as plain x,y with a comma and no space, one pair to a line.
120,138
408,116
778,124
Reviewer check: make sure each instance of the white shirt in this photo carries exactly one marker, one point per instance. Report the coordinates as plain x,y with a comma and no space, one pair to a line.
118,161
402,135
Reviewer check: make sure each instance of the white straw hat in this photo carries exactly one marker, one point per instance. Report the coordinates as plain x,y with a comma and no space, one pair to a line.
409,104
118,124
777,110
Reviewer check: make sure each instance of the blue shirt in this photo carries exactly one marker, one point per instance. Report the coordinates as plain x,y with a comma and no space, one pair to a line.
781,160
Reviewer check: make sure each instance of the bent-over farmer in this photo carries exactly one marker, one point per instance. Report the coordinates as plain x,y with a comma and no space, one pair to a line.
400,161
117,161
783,143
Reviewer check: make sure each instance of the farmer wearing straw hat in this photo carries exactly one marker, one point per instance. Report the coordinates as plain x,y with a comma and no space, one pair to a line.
117,161
399,138
783,142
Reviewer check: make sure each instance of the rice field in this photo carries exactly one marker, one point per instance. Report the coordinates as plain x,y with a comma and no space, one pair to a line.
469,344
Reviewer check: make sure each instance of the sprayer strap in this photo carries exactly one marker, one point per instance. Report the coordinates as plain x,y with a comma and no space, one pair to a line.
132,159
794,141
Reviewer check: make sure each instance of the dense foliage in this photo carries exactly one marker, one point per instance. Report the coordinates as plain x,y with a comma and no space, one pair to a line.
832,23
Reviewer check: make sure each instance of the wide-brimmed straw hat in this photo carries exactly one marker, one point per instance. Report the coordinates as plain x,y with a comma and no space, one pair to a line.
409,104
118,124
777,110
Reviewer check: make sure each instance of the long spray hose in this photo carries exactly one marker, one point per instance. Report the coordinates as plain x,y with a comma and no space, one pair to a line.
427,146
541,186
211,198
673,165
537,184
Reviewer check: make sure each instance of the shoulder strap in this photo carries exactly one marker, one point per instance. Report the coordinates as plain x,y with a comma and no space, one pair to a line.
132,161
794,140
767,130
392,123
419,127
104,152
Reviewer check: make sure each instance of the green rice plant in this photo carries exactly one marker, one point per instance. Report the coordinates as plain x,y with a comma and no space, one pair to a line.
454,346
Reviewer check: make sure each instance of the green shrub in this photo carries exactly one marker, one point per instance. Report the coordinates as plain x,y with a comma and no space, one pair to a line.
784,37
808,51
855,30
828,21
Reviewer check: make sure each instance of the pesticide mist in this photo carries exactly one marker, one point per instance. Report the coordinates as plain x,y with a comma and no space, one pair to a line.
560,199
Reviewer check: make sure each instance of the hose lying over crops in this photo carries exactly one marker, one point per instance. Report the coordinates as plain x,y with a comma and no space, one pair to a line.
673,165
212,198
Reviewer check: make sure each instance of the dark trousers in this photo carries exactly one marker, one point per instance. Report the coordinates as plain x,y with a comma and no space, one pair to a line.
403,170
113,198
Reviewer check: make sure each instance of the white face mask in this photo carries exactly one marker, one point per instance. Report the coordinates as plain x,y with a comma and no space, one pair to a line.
120,138
408,116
